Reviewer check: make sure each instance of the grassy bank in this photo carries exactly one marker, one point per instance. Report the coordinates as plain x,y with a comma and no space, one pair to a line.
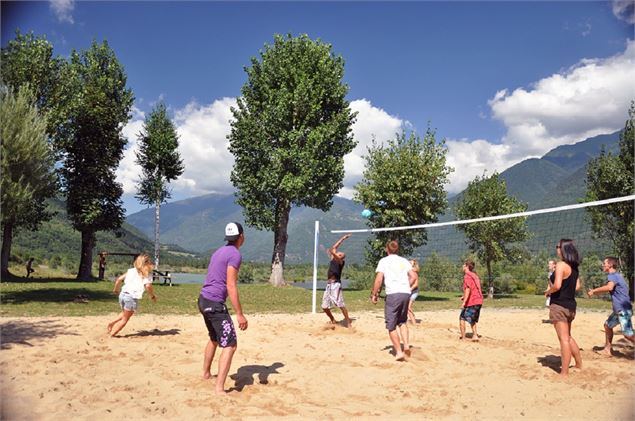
63,297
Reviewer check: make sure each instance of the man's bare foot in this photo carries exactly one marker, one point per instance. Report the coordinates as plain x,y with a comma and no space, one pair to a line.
474,338
407,351
207,375
606,352
348,323
461,337
220,392
400,357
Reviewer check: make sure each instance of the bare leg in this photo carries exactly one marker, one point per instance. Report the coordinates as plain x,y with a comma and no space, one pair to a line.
126,315
562,329
575,350
474,332
224,363
405,337
462,328
394,338
328,313
411,314
608,334
347,319
111,324
630,338
210,350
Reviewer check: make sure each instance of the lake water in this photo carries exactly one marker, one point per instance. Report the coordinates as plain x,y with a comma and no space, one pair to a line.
198,278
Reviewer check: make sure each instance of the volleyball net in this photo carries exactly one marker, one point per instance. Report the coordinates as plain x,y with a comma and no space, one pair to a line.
441,257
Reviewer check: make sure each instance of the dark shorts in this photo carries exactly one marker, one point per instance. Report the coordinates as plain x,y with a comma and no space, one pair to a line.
396,310
218,321
557,313
471,314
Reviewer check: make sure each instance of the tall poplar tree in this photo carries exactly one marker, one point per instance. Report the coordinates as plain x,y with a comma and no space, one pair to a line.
403,184
94,107
289,136
491,240
160,162
27,167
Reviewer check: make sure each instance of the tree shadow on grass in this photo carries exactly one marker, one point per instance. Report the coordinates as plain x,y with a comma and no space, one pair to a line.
20,332
421,297
552,361
55,295
155,332
245,375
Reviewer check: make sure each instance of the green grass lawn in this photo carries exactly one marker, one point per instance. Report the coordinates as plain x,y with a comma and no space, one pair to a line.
56,297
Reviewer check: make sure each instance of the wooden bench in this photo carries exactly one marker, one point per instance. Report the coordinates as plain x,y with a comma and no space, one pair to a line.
157,275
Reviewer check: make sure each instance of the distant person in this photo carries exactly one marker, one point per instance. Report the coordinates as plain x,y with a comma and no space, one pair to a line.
562,307
471,301
136,280
396,273
221,282
333,292
29,267
414,291
622,308
550,277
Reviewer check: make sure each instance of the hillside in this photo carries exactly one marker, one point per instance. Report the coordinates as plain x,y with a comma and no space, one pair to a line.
58,244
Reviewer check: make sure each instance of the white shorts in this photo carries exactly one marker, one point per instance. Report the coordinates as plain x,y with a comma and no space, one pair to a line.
333,295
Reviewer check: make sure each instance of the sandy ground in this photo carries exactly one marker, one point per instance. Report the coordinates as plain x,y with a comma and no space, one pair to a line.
298,367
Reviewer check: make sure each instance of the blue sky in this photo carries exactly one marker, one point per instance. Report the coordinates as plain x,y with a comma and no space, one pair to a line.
500,81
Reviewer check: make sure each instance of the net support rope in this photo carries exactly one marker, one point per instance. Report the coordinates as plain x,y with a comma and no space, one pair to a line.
493,218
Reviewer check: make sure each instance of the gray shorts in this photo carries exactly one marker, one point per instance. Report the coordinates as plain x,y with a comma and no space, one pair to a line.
127,302
396,310
333,296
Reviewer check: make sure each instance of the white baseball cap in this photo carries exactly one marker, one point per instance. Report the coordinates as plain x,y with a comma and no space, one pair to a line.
233,231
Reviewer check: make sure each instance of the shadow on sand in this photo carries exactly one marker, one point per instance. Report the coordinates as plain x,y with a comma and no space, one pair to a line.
21,332
245,375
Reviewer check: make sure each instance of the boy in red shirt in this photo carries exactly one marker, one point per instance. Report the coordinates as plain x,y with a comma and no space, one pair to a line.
471,301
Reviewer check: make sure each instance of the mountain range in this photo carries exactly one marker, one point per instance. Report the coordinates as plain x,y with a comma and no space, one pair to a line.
196,224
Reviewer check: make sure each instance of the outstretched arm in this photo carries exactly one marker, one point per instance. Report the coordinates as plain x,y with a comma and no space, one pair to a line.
603,289
331,251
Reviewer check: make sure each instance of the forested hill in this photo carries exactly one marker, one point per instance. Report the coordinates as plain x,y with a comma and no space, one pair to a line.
58,244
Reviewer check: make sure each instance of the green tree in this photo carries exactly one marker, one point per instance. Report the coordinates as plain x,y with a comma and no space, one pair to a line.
491,240
403,185
28,59
93,109
27,167
160,162
290,132
610,176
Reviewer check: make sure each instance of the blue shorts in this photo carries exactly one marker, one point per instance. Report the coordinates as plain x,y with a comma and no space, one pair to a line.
622,318
127,302
471,314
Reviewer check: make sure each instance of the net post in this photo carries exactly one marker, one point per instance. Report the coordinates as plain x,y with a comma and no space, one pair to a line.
316,240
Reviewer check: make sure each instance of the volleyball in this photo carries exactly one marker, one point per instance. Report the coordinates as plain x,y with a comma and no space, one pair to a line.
366,213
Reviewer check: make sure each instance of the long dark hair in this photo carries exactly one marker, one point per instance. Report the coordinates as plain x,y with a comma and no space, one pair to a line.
569,253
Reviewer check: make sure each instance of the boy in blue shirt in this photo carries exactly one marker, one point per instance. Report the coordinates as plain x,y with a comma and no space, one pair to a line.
622,307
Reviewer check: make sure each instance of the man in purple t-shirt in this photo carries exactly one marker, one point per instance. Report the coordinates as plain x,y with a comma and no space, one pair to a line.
220,282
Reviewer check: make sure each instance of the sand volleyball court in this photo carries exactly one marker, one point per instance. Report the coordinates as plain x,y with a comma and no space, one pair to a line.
298,367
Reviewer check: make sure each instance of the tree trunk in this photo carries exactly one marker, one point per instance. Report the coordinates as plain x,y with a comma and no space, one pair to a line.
7,239
86,257
156,235
280,246
490,289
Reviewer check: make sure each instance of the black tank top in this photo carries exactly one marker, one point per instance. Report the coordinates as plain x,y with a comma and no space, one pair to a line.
565,297
335,270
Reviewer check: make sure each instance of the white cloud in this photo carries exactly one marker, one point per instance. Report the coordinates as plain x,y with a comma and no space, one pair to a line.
588,99
624,10
371,122
63,10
